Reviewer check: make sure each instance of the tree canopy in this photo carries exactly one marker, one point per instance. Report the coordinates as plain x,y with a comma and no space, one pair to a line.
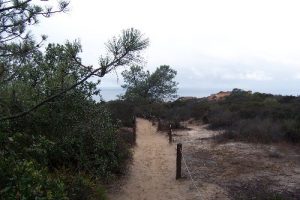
142,85
19,52
16,16
121,50
56,141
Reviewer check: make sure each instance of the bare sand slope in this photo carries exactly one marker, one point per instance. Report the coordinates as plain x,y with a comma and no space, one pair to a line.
152,174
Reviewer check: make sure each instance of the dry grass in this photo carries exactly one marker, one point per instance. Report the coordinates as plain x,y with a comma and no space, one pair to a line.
243,170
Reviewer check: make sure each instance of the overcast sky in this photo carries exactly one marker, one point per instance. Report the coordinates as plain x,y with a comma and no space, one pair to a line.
213,45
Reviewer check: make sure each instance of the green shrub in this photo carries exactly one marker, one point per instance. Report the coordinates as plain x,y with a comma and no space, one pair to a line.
25,146
25,179
291,128
93,146
255,130
81,186
122,111
244,116
220,118
264,130
127,135
200,110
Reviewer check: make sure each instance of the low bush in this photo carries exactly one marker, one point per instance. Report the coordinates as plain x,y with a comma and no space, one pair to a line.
122,112
291,128
220,118
255,130
25,179
256,117
92,149
95,147
81,186
127,135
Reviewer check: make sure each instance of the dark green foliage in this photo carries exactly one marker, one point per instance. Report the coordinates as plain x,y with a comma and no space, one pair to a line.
92,145
291,128
219,118
128,135
144,87
244,116
257,117
145,94
16,17
24,146
122,111
71,132
122,50
24,161
255,130
49,122
25,179
81,186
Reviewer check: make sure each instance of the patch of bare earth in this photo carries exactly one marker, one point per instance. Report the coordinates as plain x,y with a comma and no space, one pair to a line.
240,170
152,173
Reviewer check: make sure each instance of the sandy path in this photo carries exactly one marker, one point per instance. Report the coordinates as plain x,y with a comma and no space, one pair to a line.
222,171
152,174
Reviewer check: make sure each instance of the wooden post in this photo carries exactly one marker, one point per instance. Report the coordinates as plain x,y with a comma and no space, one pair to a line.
159,125
134,129
170,136
178,161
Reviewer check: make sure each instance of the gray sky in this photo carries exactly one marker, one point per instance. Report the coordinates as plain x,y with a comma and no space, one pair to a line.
213,44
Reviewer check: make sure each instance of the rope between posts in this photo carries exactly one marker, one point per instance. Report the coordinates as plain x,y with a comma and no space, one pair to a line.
187,168
190,174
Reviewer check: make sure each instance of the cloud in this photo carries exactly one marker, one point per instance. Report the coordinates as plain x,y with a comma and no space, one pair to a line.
212,44
254,75
297,76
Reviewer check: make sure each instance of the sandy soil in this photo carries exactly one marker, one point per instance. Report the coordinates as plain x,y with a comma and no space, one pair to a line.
152,173
227,170
241,170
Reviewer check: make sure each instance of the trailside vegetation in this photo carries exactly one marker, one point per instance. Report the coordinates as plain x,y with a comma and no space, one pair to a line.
245,116
143,86
145,92
56,142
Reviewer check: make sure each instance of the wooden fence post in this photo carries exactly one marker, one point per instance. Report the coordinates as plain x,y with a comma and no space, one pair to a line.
159,125
134,129
178,161
170,135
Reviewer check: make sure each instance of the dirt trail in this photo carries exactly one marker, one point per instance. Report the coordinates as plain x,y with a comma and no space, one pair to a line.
222,170
152,174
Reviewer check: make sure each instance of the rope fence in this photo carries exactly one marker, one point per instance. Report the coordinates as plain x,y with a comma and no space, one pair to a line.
180,156
189,173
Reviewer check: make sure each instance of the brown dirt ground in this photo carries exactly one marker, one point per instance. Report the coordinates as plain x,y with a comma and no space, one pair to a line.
241,170
227,170
152,173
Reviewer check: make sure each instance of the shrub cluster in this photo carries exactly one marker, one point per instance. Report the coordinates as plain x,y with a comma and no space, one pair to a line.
257,117
254,117
64,149
69,165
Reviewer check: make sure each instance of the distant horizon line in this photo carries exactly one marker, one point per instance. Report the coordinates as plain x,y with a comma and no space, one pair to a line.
111,92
